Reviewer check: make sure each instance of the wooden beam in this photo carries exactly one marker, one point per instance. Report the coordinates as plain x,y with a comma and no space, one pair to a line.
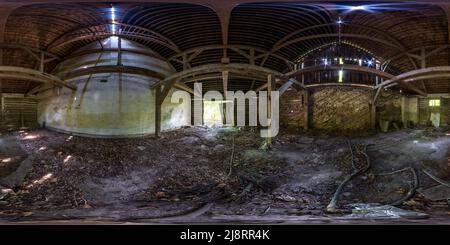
419,74
182,86
238,68
373,116
345,67
357,85
285,86
158,111
165,91
270,86
14,72
307,101
109,69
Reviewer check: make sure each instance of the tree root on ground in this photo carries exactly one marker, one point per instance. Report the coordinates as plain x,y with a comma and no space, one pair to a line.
413,186
435,178
412,189
231,159
332,205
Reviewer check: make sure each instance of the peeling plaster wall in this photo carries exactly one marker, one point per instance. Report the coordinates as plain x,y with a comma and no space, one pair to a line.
109,104
110,108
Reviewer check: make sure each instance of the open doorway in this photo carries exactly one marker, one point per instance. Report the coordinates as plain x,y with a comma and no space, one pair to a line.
212,113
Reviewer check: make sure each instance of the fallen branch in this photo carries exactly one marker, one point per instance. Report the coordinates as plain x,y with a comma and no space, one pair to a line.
353,156
231,158
332,205
244,192
184,215
412,189
435,178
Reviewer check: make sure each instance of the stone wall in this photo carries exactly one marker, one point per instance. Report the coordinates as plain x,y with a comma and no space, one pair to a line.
340,109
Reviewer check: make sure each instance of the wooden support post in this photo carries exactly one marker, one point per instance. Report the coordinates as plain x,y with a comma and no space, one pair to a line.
306,101
41,62
270,87
252,56
225,89
3,107
119,51
404,111
423,58
160,94
158,111
373,116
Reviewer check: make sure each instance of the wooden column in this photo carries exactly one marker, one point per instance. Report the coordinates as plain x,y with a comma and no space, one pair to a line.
225,89
306,101
160,94
373,116
270,88
158,111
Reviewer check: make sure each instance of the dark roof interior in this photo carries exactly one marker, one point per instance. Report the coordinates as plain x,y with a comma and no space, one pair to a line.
286,30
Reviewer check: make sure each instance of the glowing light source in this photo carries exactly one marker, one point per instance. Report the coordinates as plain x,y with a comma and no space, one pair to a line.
360,7
67,159
113,20
341,76
434,102
7,159
30,137
40,181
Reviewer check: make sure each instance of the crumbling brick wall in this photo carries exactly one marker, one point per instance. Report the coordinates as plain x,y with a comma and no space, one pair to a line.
341,109
293,109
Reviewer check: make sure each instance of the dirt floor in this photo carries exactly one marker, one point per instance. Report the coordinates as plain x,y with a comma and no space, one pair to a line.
220,175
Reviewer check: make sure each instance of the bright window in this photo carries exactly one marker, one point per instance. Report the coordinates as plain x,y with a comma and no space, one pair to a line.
212,114
434,102
341,76
341,61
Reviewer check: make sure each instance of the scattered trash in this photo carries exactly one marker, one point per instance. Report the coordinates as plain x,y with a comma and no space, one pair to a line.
378,211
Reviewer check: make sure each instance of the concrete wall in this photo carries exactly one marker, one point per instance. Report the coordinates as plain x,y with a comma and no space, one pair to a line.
109,104
119,107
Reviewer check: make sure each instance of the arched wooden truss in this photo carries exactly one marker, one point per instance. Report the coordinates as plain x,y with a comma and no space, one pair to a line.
20,73
415,75
105,30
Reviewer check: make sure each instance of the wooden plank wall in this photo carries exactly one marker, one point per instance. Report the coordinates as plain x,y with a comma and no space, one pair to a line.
425,111
18,111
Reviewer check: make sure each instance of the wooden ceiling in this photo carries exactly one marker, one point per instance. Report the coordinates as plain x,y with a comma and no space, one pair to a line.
286,31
